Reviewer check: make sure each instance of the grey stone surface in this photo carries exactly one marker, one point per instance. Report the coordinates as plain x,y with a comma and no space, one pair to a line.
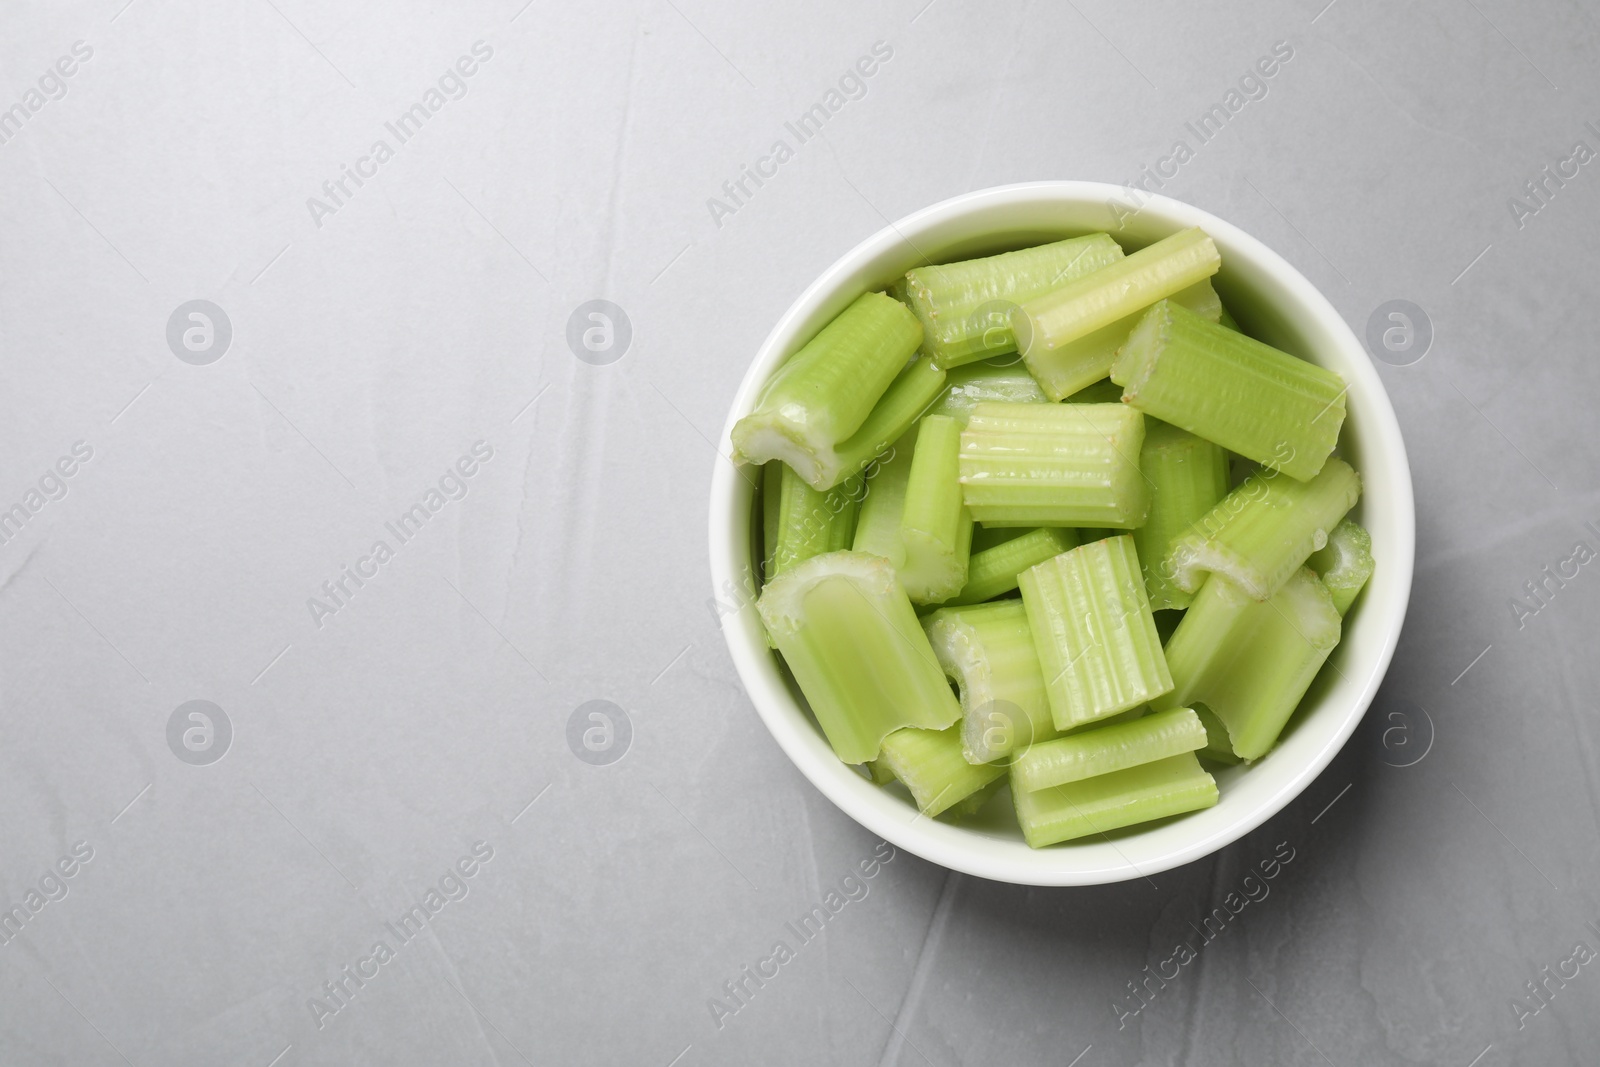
419,727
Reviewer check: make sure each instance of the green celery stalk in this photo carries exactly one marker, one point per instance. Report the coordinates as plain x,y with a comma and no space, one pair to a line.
1187,476
1345,563
912,514
1250,661
987,649
1248,397
771,502
878,520
994,570
1218,748
930,764
1068,368
1094,633
907,398
1104,749
971,804
1105,391
968,384
1093,301
810,523
878,771
964,307
1108,802
1225,318
1262,532
1054,465
824,393
848,633
935,526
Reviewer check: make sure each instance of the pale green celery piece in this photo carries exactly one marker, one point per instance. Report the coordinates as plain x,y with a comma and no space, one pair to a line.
1344,564
965,307
1049,323
771,501
1104,749
930,764
1054,465
994,570
1187,476
1105,391
1097,642
908,397
1250,661
824,393
1225,318
1218,749
1248,397
878,771
970,805
987,649
878,520
966,385
1108,802
912,514
849,636
935,526
810,523
1065,370
1264,530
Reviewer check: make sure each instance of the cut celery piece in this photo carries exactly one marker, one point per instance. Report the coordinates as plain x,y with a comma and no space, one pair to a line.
850,637
1218,748
1097,642
1248,397
810,523
1105,749
1105,391
1054,465
771,501
1344,564
1225,318
930,764
1250,661
913,515
994,570
987,649
908,397
1108,802
965,386
1263,531
824,393
935,526
965,307
973,803
1076,365
1048,323
1187,476
878,521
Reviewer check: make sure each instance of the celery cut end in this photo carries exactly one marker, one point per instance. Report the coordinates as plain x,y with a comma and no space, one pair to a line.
929,763
849,635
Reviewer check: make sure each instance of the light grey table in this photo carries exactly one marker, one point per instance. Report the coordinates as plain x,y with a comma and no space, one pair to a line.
383,356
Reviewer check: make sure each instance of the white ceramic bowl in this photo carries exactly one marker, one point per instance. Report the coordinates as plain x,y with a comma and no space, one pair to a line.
1272,301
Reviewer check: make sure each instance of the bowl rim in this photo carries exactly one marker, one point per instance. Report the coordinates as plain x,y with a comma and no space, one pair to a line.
948,845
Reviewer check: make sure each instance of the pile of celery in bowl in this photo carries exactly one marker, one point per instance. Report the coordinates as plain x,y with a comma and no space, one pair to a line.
1126,547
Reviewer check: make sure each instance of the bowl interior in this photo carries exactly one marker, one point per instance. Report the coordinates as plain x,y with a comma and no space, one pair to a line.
1271,301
